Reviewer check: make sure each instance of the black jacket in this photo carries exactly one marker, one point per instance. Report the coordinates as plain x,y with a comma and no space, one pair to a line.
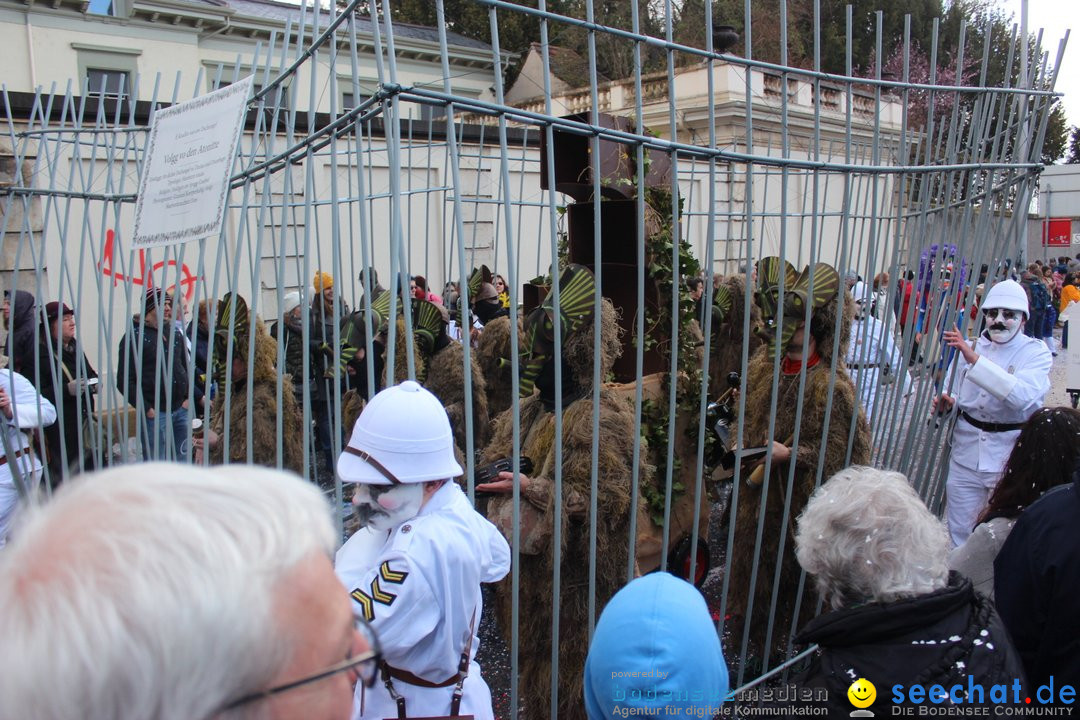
934,639
1037,586
200,350
72,411
138,368
297,354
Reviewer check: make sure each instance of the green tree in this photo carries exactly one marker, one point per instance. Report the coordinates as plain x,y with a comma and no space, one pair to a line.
1074,146
1057,134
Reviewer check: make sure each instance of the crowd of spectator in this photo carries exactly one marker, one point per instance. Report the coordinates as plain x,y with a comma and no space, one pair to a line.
169,368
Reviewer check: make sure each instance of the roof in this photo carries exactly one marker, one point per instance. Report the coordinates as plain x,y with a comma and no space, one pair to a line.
567,65
282,12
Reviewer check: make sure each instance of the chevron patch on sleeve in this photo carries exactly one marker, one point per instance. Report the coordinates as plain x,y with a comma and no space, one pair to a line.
364,600
390,575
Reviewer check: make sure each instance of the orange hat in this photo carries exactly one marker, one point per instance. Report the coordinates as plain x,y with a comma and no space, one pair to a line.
323,281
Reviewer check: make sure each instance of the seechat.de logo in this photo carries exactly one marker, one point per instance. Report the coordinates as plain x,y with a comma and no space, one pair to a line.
975,693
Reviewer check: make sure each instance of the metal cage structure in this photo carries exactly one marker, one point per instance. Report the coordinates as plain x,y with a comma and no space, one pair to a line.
706,167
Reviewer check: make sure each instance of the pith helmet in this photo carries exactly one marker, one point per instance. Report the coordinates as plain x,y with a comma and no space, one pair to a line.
1007,294
402,436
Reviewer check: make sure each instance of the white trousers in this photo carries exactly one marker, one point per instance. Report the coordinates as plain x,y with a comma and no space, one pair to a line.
9,507
967,492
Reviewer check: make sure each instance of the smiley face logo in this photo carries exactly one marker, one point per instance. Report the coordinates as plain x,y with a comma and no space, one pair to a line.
862,693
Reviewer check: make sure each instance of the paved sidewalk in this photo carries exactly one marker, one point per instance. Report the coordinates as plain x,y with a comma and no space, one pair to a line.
1057,395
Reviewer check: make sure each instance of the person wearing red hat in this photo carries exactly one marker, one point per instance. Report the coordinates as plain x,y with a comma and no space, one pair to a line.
68,380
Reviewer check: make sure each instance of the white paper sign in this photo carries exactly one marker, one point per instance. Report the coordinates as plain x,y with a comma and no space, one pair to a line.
1072,353
189,159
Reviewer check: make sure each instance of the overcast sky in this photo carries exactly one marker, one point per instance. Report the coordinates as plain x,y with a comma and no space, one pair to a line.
1055,17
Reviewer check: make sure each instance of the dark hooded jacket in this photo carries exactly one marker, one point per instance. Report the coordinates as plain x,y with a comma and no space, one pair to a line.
297,353
21,338
940,638
1037,583
139,367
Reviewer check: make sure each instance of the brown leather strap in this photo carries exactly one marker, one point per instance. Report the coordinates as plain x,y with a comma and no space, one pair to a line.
381,469
18,453
463,669
408,677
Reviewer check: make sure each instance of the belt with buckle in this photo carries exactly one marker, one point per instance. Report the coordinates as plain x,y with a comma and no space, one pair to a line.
989,426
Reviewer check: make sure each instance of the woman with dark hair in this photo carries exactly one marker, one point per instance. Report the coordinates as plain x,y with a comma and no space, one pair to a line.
504,291
1044,456
420,290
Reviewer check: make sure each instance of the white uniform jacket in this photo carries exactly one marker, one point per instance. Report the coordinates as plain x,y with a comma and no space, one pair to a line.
419,587
28,410
1006,385
872,356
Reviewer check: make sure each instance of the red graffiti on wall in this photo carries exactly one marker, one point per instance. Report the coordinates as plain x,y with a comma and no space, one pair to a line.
142,274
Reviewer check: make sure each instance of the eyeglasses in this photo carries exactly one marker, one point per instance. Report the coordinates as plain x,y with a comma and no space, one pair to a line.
993,313
366,665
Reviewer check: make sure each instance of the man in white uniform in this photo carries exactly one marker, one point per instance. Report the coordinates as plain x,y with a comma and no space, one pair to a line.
872,358
21,409
1002,381
414,569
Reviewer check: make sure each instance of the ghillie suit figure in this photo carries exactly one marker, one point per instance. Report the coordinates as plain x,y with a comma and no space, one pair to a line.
484,297
440,366
444,374
725,351
538,441
826,379
252,389
493,359
353,364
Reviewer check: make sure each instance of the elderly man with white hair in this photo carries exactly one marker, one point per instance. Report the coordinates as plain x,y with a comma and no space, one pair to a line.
897,616
1001,381
168,592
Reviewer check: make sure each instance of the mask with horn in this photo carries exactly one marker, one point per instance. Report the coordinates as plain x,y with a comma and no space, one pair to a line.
233,323
354,333
577,288
722,304
482,294
429,326
798,294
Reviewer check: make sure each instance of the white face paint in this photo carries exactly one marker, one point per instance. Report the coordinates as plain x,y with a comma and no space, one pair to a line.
860,309
384,507
1002,325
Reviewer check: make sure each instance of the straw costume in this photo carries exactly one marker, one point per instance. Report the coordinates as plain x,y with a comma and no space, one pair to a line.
826,379
262,406
538,442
